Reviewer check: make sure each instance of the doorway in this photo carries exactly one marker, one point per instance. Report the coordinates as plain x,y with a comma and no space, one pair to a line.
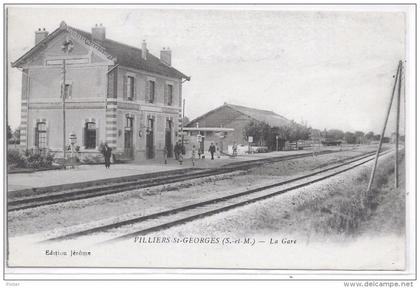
128,138
168,138
202,144
150,149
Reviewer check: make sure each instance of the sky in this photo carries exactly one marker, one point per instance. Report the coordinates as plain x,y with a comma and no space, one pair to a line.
330,69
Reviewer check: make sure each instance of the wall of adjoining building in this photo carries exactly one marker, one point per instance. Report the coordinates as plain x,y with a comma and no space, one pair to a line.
141,109
227,118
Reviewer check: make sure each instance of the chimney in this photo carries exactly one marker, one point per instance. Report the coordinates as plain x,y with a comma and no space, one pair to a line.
98,33
40,35
144,50
165,56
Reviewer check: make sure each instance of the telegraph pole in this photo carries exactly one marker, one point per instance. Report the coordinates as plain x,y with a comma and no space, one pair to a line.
63,95
372,175
67,47
397,128
182,122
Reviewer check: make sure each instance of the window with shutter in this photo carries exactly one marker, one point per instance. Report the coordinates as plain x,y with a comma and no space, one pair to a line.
165,94
134,88
170,94
130,88
151,91
97,136
125,88
146,93
36,136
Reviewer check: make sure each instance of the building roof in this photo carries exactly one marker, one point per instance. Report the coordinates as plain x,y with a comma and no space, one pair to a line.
269,117
123,54
214,129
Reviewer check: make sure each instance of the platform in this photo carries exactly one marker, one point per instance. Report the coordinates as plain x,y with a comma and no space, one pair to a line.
84,173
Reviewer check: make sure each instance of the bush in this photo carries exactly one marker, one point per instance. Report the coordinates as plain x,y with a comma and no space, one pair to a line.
16,159
29,159
92,159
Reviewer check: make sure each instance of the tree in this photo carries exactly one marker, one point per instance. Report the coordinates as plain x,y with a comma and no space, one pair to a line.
16,136
335,134
359,136
350,138
370,136
264,134
260,131
9,132
298,131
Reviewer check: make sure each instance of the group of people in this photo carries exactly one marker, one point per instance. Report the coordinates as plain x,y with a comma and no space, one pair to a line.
179,150
212,149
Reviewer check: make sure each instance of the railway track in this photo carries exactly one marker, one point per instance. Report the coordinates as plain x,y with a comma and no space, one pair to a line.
37,198
129,228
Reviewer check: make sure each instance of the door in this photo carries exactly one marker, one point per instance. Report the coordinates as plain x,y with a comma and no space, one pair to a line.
168,138
150,149
128,139
202,144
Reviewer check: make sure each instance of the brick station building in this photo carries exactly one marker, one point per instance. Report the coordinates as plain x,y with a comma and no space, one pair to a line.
115,93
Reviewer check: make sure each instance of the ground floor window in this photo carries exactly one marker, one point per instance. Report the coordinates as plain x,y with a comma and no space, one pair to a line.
90,135
41,135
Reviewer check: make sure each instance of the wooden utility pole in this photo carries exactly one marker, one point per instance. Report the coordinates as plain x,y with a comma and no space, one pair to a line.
182,122
397,128
372,175
63,95
67,47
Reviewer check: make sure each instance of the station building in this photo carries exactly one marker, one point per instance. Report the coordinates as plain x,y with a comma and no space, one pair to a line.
114,93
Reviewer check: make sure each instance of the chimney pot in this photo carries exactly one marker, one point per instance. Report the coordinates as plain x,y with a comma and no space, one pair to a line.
98,33
166,56
144,50
40,35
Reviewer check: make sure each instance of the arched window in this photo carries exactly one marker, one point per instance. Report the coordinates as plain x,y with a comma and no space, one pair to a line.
41,135
90,135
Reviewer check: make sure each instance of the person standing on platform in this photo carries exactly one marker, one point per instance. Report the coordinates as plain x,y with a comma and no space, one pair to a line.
234,149
177,150
212,149
199,153
180,153
165,154
217,150
107,152
193,152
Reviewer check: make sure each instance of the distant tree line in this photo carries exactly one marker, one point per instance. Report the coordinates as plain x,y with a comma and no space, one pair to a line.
264,134
357,137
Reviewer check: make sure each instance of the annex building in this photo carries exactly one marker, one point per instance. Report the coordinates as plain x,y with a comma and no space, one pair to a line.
236,118
114,93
